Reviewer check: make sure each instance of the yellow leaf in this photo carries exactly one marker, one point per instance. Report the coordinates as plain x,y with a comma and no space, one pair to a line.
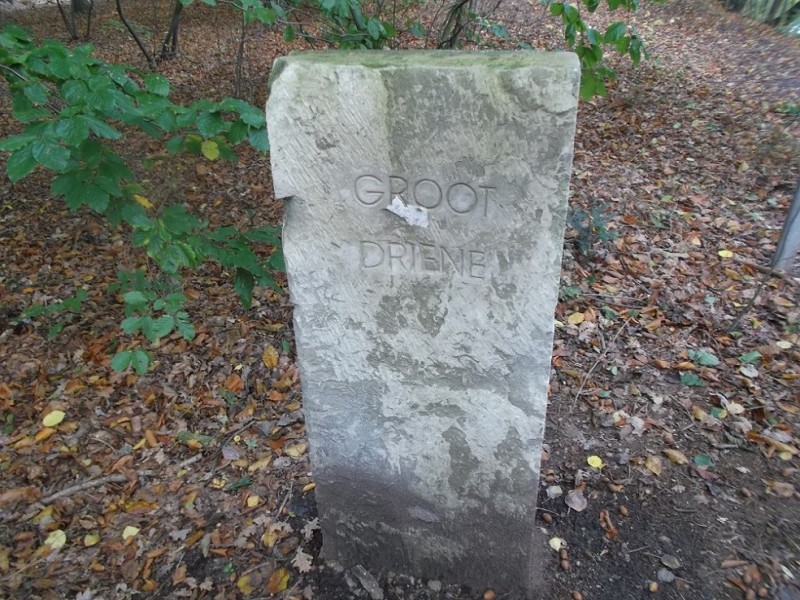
278,581
270,357
253,501
283,384
575,318
262,463
56,539
90,539
725,253
129,532
595,462
557,543
245,585
676,456
698,413
53,418
44,434
142,201
653,464
297,450
210,150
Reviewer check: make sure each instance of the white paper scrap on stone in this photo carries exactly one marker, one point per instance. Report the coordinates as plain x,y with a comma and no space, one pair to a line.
413,215
424,352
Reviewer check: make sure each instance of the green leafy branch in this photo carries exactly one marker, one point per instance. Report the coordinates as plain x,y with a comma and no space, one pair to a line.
75,108
588,42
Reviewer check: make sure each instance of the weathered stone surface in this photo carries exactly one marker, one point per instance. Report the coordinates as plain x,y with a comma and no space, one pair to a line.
423,243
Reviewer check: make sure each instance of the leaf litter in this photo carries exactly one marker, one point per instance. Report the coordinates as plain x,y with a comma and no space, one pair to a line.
696,168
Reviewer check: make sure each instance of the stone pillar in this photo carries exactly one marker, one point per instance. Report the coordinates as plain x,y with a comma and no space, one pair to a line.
427,196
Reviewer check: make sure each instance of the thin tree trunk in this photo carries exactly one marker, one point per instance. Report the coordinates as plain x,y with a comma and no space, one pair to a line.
240,61
70,25
150,60
169,48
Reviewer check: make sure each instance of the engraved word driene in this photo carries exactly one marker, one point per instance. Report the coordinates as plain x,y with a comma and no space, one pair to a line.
459,198
422,258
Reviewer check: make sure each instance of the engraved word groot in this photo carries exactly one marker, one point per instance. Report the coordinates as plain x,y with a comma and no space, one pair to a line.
459,198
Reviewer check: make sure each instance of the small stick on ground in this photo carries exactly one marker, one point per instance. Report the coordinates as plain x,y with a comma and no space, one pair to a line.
86,485
585,379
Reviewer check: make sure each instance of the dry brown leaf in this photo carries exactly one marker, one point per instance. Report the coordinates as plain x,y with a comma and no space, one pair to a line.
780,446
278,581
297,450
261,463
270,357
676,456
284,383
179,575
21,494
302,561
234,383
653,464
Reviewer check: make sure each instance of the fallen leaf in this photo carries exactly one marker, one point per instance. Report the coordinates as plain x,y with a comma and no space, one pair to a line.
234,383
670,561
20,494
179,575
725,253
262,463
576,500
698,413
253,501
56,539
749,371
703,460
780,446
595,462
297,450
653,464
278,581
781,489
554,491
245,584
576,318
676,456
275,532
607,525
90,539
270,357
302,561
284,383
53,418
129,532
557,543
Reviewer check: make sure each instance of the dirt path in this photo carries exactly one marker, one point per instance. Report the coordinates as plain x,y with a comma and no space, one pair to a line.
687,163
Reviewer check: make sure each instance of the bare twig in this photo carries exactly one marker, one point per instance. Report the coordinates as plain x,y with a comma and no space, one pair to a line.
86,485
586,377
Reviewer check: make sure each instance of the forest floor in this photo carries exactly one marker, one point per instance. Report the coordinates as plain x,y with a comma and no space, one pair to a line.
690,162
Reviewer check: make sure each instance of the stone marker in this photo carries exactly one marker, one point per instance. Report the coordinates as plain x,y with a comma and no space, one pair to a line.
427,201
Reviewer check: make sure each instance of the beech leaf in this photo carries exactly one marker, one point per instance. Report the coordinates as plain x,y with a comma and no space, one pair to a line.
53,418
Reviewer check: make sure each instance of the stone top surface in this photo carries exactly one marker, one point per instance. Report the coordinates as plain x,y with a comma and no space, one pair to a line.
386,59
